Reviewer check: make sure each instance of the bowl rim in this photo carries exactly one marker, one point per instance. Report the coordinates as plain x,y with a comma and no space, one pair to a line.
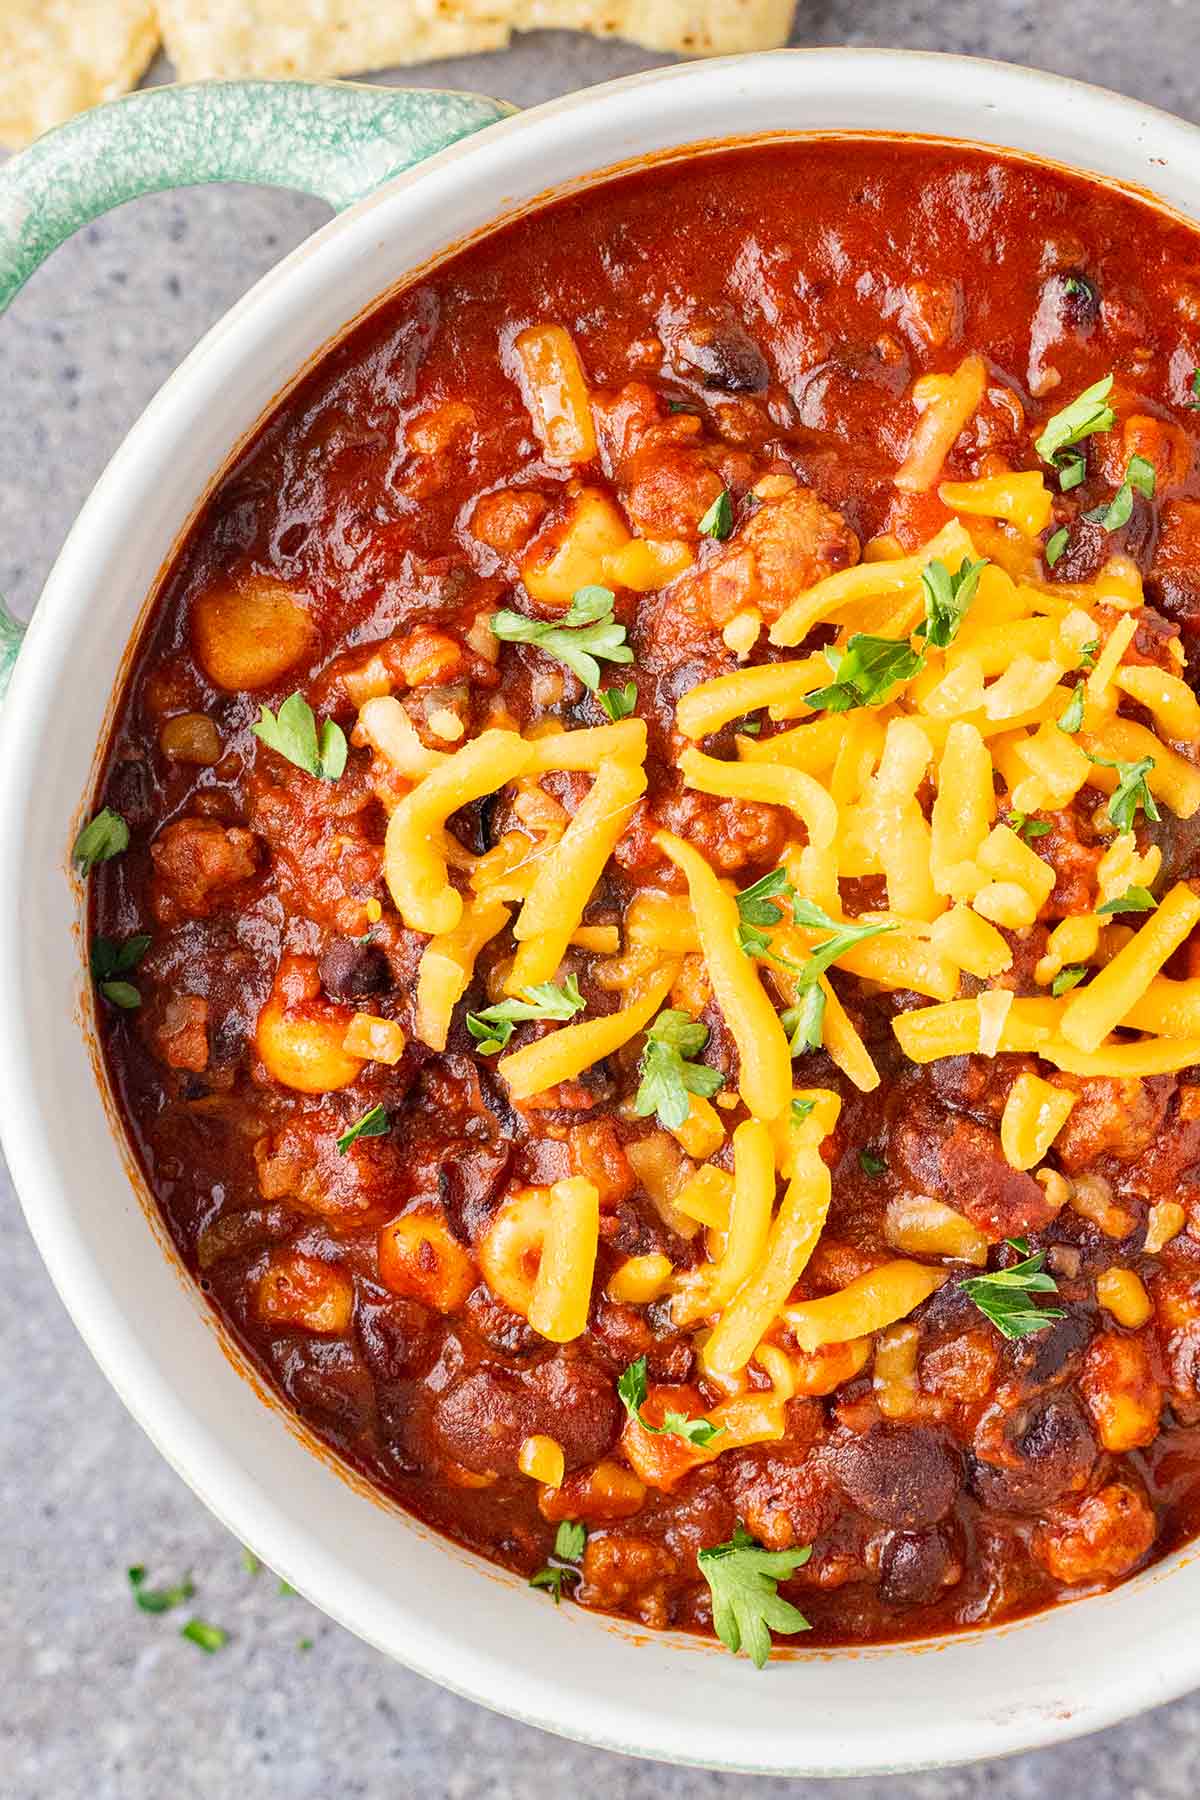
28,1125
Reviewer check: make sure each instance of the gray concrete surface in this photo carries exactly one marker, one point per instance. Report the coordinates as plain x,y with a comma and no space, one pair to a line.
97,1701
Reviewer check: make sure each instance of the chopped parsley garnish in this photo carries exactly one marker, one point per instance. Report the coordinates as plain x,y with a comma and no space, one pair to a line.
800,1110
111,961
206,1637
668,1071
1195,400
744,1580
1139,475
569,1541
251,1563
493,1027
718,520
870,1164
1088,655
804,1023
632,1391
104,836
1131,791
749,728
1003,1296
1068,978
586,636
767,901
158,1600
947,598
865,672
845,936
619,702
1086,415
374,1123
1056,543
1134,899
1027,827
304,1643
292,733
1071,717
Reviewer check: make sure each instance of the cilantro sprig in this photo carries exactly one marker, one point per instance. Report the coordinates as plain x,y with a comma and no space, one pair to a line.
762,905
374,1123
1134,899
766,901
619,702
158,1600
1086,415
110,961
103,836
1139,477
744,1581
865,672
292,733
1028,827
586,636
1003,1295
669,1072
569,1541
718,520
1131,791
1071,718
1056,543
493,1027
947,598
1068,978
632,1389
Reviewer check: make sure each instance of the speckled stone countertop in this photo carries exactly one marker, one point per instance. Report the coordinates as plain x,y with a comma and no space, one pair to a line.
98,1701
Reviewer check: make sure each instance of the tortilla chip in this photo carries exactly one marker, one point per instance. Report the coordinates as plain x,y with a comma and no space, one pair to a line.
58,57
317,38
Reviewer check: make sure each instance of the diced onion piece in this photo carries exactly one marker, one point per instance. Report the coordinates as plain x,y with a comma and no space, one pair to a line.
568,873
765,1081
556,393
1034,1114
1093,1011
946,404
930,1032
566,1053
1122,1293
922,1226
640,1279
447,965
750,1315
874,1300
414,862
865,581
374,1039
1023,499
562,1287
541,1458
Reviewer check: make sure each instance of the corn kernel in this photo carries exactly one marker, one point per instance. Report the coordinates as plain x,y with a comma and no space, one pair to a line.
1122,1293
541,1458
374,911
640,1279
1167,1219
376,1040
1034,1114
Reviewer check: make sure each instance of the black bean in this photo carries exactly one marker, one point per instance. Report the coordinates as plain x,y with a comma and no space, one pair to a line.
350,969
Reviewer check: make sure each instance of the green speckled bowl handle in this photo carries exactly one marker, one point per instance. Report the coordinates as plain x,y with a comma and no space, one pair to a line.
337,140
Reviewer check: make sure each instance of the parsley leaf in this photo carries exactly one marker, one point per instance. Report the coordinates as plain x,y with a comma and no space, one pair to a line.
158,1600
569,1541
804,1023
104,836
292,733
870,1164
718,520
206,1637
845,936
866,672
800,1110
587,635
1026,827
110,961
493,1027
619,702
1139,475
632,1391
374,1123
1056,543
1002,1296
1088,655
744,1581
1087,414
1134,899
1068,978
1071,717
668,1073
947,598
1130,792
762,902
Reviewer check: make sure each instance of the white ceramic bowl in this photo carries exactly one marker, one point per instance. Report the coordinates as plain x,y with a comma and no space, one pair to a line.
433,1607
